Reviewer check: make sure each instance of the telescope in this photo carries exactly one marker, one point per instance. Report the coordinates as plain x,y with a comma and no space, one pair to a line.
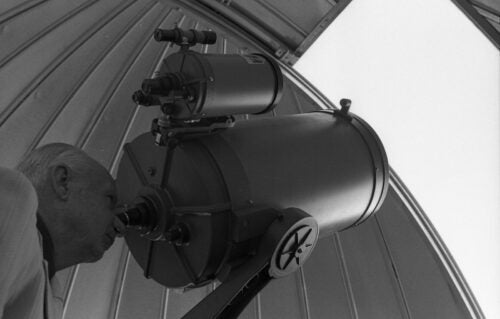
243,202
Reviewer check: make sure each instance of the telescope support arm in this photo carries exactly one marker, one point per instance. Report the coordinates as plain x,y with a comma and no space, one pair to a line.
282,250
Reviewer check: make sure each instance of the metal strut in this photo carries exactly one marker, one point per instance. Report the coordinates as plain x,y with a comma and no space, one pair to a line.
246,281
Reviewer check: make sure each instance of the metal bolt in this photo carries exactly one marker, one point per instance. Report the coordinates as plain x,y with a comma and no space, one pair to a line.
173,234
158,139
151,171
346,105
177,234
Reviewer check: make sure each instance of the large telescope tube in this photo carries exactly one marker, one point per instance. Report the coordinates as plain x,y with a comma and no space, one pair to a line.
329,164
242,202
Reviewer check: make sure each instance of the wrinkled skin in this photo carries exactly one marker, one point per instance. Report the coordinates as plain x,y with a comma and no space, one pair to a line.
95,224
80,212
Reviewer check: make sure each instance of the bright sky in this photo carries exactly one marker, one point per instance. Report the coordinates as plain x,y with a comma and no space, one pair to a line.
428,81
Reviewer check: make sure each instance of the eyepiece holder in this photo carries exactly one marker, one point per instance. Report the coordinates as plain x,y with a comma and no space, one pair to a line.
185,37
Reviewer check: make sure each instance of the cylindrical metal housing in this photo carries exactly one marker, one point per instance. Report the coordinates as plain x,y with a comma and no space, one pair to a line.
333,168
330,165
224,84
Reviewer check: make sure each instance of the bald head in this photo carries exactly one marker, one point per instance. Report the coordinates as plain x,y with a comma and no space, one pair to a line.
36,165
77,198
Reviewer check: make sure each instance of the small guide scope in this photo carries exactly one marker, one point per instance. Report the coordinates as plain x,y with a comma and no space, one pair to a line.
193,86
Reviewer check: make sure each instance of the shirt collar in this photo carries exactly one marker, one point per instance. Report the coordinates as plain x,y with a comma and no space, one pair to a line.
47,246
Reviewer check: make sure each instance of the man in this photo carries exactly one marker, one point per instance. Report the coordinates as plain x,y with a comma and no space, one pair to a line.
59,214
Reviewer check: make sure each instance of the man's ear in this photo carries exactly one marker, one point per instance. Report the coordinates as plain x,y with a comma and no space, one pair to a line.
60,176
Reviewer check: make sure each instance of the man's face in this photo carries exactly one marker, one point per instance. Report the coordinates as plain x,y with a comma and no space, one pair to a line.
93,214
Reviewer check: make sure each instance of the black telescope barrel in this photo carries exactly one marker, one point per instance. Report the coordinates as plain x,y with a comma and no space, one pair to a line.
181,36
139,97
131,217
153,86
162,85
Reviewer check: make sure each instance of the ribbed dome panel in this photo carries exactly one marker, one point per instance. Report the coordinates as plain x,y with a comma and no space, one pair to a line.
67,73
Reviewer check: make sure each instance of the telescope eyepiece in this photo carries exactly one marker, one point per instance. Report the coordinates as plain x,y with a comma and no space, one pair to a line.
139,215
140,98
164,84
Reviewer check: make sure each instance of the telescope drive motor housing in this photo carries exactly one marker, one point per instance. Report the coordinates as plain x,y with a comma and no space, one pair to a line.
242,202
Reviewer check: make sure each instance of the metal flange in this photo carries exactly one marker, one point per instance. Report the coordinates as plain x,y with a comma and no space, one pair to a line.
294,248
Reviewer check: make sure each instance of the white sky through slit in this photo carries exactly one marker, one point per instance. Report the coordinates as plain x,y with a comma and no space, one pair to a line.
428,81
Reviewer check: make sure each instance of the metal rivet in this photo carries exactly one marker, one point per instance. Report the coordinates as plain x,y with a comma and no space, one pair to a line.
151,171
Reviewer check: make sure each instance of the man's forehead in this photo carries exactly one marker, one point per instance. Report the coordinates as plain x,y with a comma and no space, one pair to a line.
108,182
102,179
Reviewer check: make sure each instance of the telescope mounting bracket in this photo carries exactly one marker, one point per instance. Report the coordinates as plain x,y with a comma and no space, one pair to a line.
167,131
